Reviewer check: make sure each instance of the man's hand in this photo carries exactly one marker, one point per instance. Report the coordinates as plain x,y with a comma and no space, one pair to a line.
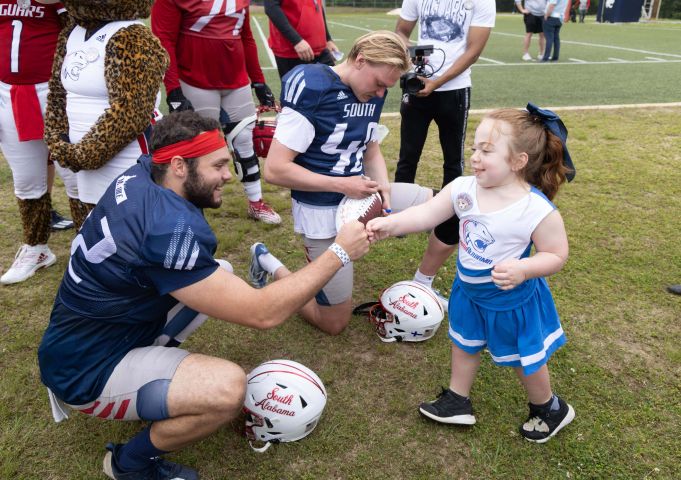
333,48
430,87
177,102
304,51
359,186
264,94
353,238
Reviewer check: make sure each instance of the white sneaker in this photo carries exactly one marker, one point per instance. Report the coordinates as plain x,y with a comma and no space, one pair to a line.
527,57
27,260
540,56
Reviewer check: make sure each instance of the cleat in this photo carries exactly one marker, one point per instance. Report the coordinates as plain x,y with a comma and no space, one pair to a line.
256,274
543,423
158,469
58,222
263,212
527,57
27,260
449,408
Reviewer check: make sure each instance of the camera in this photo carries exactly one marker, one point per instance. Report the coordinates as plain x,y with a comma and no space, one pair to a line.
410,82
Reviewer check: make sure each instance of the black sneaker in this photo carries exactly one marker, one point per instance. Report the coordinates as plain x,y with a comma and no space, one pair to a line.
449,407
543,423
58,222
159,469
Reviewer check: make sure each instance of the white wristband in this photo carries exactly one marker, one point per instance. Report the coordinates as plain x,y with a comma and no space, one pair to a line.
340,253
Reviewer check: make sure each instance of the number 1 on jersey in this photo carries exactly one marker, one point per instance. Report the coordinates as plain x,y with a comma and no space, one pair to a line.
14,49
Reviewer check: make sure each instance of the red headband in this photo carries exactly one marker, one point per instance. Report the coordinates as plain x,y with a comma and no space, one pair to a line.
203,143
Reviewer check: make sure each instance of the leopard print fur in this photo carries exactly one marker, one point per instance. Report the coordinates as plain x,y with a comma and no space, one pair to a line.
79,212
35,218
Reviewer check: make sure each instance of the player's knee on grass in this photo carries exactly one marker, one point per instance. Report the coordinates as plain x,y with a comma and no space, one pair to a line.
448,231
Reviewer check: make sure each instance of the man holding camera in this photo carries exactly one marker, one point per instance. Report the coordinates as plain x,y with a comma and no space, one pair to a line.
456,31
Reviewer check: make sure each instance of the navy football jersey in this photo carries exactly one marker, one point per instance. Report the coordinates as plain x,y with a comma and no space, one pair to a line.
141,242
343,125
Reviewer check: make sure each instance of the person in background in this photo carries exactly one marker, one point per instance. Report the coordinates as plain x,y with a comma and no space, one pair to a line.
533,17
213,59
299,34
30,37
583,7
459,32
553,21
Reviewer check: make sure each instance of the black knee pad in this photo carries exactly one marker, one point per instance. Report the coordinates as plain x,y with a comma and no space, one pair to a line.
227,127
448,231
244,165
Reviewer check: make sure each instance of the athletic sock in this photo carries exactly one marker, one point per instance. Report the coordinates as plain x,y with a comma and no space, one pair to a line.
270,263
551,405
253,190
138,452
426,280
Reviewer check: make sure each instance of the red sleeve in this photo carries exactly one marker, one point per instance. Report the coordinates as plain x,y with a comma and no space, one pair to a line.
251,52
166,19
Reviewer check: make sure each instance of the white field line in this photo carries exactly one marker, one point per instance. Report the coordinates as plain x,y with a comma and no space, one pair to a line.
617,60
655,59
350,26
492,61
598,45
574,62
482,111
270,54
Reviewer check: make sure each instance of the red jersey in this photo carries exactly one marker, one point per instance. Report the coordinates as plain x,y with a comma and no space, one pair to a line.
28,36
307,18
210,43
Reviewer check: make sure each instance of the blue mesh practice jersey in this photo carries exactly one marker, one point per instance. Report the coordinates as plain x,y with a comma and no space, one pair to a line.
342,124
141,242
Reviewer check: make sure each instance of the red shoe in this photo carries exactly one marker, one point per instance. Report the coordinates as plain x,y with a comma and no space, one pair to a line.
261,211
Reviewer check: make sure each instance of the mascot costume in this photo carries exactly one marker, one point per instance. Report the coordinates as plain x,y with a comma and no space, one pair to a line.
105,83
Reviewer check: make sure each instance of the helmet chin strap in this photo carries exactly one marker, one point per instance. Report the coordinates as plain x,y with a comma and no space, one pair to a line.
262,449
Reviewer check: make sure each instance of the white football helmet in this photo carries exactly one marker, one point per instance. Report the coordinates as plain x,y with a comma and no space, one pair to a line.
407,312
284,401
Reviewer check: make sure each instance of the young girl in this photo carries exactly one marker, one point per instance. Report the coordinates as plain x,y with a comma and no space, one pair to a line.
499,299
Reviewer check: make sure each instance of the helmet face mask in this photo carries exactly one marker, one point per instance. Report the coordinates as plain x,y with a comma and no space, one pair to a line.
284,401
408,311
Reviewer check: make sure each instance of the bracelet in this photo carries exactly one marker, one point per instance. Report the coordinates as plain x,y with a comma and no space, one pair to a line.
340,253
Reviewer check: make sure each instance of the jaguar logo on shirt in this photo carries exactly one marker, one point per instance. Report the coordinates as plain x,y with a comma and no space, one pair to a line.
76,62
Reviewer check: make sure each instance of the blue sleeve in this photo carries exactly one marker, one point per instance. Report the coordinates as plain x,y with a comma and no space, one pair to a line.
301,90
179,250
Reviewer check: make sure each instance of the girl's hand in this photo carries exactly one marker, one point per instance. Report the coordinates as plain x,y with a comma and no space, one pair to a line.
378,229
508,274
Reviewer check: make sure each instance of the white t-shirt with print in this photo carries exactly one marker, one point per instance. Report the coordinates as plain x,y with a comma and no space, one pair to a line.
445,24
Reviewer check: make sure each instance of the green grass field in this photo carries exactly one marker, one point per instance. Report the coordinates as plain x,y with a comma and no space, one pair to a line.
600,64
620,368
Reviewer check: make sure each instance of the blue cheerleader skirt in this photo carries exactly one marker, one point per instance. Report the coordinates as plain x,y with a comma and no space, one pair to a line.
519,327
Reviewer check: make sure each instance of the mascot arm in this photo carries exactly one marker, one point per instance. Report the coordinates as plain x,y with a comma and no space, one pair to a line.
56,121
133,69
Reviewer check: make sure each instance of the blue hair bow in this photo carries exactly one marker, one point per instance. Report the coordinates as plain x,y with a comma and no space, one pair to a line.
556,126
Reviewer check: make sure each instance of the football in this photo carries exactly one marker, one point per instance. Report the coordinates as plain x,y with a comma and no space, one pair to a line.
363,209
